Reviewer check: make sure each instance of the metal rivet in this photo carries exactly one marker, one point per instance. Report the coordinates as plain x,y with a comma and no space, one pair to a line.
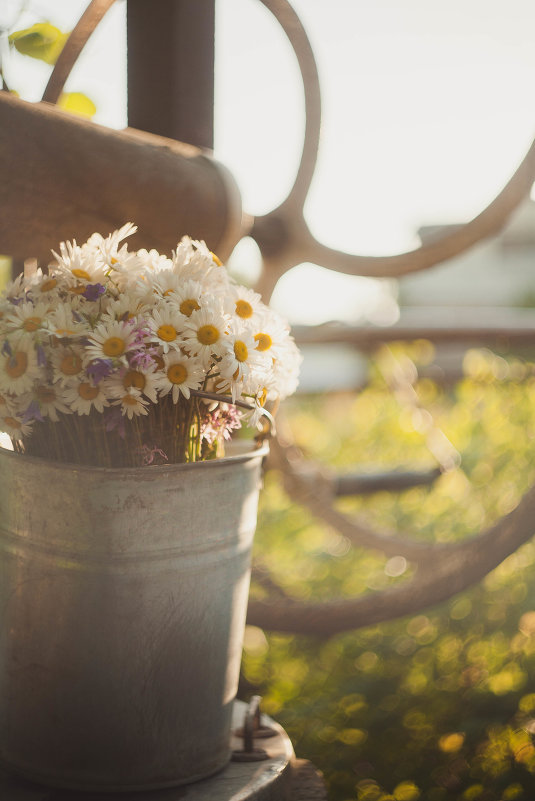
251,728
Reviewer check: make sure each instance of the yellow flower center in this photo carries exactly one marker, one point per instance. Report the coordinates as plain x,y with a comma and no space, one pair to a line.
13,422
263,341
81,274
114,346
16,365
216,259
70,364
240,351
177,373
262,396
130,400
32,323
134,378
188,306
79,289
244,309
47,286
64,332
45,394
87,391
167,333
207,334
168,292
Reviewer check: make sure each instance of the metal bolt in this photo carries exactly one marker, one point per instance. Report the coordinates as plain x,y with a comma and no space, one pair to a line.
251,728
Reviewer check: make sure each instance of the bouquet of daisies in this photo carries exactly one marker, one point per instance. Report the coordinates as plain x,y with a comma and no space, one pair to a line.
122,358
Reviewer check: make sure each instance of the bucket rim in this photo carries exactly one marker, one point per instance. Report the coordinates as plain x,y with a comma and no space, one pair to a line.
245,450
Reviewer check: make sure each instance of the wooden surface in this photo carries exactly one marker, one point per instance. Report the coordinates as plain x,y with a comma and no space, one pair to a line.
306,784
64,177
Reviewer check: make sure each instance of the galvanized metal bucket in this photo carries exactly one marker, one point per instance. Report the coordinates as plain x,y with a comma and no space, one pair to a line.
123,596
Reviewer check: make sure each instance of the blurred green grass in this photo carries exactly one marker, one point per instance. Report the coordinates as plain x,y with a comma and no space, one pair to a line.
436,706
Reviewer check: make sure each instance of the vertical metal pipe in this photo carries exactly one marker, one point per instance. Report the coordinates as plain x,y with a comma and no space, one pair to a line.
171,68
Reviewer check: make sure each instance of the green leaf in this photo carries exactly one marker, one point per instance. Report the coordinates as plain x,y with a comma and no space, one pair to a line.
77,103
43,41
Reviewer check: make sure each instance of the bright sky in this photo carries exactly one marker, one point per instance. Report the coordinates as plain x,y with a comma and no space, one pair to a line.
427,111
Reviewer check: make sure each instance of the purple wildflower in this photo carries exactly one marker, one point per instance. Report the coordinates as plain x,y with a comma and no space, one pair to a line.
6,349
76,316
93,291
143,353
220,422
150,454
114,421
32,413
141,334
144,359
99,369
16,301
41,355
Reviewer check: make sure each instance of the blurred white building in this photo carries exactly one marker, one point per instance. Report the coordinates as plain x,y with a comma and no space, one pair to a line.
499,272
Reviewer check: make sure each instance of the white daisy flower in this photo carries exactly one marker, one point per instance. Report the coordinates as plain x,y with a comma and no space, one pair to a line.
111,339
187,296
6,404
46,399
66,323
141,291
84,396
166,324
126,307
26,320
240,356
192,260
14,426
258,390
5,309
117,261
46,285
76,267
15,290
132,403
242,302
67,362
144,380
180,374
97,242
271,333
166,283
19,369
286,369
204,332
154,262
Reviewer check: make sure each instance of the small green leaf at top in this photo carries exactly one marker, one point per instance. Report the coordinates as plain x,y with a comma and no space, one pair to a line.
43,41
